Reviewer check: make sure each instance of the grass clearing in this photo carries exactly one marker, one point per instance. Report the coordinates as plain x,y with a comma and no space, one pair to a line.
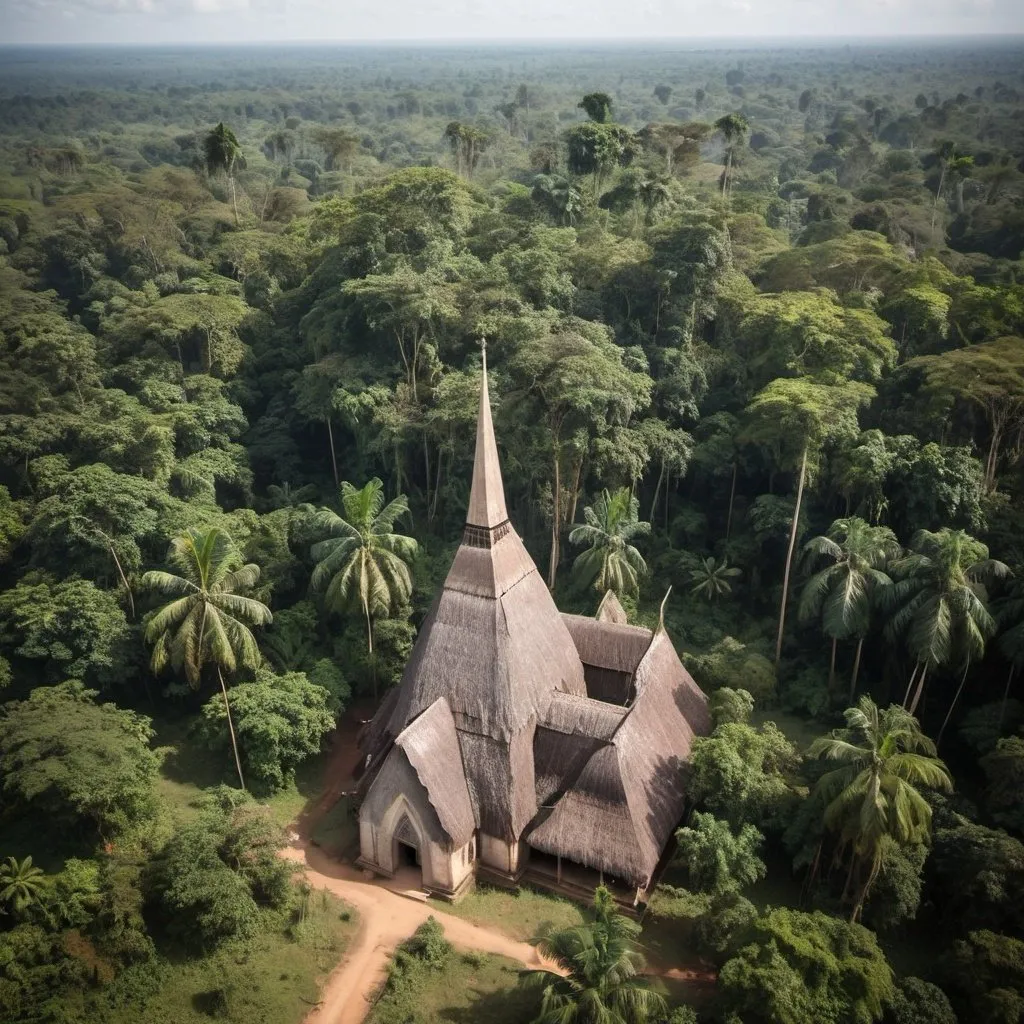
521,914
188,768
471,988
272,978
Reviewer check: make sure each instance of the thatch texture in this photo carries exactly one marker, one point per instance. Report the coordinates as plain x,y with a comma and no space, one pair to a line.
497,661
610,609
486,495
618,814
432,747
607,644
582,716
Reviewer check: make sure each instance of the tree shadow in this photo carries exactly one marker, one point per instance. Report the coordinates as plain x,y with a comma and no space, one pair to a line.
511,1005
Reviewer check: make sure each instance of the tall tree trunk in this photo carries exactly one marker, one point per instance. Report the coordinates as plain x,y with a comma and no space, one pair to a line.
910,684
657,491
1006,697
919,690
856,669
956,697
234,206
124,579
832,667
789,557
555,516
863,895
334,458
231,726
732,498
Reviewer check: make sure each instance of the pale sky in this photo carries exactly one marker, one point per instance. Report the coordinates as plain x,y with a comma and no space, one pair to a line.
236,21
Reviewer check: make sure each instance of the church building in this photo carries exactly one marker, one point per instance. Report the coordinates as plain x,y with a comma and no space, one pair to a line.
522,742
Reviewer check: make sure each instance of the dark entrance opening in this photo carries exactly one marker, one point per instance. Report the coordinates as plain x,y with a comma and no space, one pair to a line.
408,856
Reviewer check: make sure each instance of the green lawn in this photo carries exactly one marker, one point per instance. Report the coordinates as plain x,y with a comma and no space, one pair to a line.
470,989
520,914
273,978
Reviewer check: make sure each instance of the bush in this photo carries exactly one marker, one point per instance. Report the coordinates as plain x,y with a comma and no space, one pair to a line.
87,765
919,1002
279,722
736,665
213,874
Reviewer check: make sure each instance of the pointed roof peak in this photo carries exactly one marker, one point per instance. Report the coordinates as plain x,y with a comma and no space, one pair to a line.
487,494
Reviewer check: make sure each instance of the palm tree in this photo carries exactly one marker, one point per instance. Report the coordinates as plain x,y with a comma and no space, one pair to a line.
610,561
363,562
841,593
208,620
221,152
733,128
559,196
653,193
711,578
940,604
599,980
21,884
882,756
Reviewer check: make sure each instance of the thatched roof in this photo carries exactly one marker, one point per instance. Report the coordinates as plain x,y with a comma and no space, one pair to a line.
618,814
581,716
610,609
487,495
432,747
608,644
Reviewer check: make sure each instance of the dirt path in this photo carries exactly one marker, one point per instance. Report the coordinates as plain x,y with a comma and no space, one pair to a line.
386,918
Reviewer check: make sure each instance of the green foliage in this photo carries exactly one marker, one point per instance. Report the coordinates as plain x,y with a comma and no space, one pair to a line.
599,972
745,775
86,765
212,875
919,1002
67,629
610,562
1004,775
981,874
874,794
797,967
363,563
728,705
717,859
988,969
730,663
279,720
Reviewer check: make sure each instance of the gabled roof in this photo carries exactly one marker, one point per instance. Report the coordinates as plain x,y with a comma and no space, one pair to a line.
432,747
608,645
620,811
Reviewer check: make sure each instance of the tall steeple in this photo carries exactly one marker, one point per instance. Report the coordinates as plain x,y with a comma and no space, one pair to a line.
487,494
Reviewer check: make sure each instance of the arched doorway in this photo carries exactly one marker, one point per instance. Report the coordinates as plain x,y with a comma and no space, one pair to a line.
406,853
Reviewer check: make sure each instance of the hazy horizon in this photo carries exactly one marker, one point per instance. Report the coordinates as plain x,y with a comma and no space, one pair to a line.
453,22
